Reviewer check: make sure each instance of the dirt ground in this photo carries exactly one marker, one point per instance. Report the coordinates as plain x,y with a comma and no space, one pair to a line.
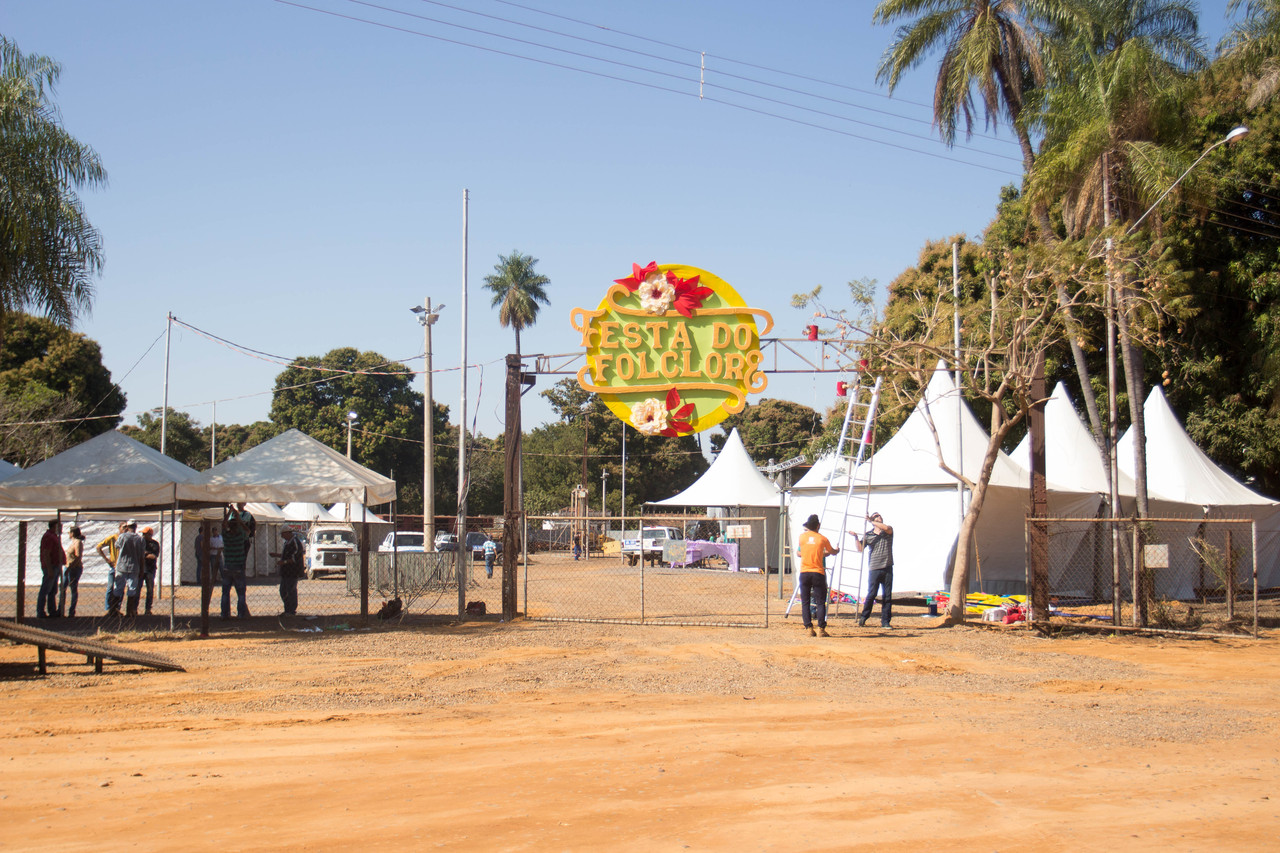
565,736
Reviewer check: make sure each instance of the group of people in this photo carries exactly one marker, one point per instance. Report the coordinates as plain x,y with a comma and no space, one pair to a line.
133,559
227,549
813,593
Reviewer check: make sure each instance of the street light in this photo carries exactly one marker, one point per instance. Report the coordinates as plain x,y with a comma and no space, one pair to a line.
427,317
1236,133
351,419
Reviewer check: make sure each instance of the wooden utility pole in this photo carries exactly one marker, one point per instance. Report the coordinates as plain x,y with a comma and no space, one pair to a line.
511,514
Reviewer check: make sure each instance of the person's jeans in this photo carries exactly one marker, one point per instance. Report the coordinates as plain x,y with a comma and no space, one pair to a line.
289,594
111,586
233,576
47,600
488,565
149,579
70,580
882,580
813,587
123,587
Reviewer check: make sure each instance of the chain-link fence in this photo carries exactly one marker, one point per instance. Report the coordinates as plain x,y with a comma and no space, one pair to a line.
425,582
677,570
1160,573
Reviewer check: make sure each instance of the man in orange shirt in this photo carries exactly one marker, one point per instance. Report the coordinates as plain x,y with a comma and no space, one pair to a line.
814,548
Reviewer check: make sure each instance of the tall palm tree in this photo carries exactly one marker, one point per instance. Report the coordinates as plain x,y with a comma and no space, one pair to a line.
49,253
517,289
1254,41
989,51
1112,120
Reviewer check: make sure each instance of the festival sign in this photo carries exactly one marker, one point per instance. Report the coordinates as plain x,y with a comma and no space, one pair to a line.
672,349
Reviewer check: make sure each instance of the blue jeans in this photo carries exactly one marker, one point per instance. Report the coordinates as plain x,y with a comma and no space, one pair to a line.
47,600
488,565
813,585
70,580
882,580
233,577
122,587
289,594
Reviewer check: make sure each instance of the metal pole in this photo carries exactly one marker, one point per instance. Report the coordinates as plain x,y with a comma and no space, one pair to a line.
462,433
213,437
955,295
164,410
428,437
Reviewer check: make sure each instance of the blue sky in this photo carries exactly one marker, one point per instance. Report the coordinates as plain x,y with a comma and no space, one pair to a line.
292,181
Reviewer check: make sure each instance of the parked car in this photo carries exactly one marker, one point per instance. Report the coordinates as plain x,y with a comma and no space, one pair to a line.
446,541
403,540
475,543
649,546
327,548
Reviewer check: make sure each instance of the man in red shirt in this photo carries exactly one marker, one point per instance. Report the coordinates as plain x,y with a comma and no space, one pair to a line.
814,549
52,559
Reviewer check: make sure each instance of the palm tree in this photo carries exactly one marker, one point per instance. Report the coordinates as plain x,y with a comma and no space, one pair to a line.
1255,43
989,50
49,253
517,289
1112,120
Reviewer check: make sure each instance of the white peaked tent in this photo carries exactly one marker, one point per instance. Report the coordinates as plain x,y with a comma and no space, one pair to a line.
1072,460
733,481
312,513
109,471
923,505
295,467
1182,481
357,514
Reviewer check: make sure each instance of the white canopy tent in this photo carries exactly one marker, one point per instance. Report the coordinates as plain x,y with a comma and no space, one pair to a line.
922,503
734,482
7,470
356,513
109,471
295,467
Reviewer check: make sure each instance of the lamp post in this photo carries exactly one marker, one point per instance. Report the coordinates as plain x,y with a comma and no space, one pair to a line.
427,317
351,419
1117,306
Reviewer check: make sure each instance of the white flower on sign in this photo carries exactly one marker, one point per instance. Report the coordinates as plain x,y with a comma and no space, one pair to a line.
656,293
649,416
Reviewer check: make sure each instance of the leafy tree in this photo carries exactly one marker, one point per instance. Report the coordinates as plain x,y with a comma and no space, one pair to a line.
315,393
657,466
184,440
771,429
49,253
55,390
234,439
517,289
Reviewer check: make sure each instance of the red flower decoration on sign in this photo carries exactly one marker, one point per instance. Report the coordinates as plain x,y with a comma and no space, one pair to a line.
679,415
688,294
637,277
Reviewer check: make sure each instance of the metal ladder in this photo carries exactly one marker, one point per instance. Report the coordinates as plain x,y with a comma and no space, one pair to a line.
859,417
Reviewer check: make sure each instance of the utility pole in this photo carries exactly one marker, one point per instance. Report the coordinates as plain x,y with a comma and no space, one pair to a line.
427,317
460,560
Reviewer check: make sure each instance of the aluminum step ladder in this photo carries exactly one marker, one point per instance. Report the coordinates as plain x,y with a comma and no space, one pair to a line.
851,507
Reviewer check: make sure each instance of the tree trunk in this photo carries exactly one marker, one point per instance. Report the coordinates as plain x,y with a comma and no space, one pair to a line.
1131,356
955,614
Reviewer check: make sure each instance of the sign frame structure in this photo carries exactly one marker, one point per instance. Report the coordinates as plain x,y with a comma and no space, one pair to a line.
672,349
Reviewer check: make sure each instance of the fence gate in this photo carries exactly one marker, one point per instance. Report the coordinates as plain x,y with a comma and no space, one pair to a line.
655,570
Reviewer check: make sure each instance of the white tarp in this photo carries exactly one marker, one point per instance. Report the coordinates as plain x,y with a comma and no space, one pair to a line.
1072,460
295,467
109,471
7,470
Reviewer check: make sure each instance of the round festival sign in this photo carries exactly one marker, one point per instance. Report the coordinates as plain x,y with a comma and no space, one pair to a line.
672,349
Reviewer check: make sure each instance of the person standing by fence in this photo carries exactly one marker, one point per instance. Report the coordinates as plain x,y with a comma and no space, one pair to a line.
150,565
290,570
235,543
71,577
128,570
52,559
490,551
879,541
814,550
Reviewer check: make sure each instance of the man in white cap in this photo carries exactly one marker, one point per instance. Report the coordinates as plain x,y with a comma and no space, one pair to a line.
128,569
290,570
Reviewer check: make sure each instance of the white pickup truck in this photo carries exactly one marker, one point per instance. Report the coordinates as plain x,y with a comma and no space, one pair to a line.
649,545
